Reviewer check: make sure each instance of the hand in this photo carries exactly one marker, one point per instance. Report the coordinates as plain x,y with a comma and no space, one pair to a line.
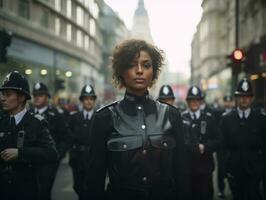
10,154
201,148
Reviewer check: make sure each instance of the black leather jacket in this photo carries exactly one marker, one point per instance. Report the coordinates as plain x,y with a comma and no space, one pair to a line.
140,143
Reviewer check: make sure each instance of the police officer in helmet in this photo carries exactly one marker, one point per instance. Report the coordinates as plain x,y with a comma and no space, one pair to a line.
80,123
166,95
243,131
59,132
25,142
202,142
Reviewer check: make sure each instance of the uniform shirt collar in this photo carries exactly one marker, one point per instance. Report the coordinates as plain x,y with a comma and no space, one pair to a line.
136,99
197,113
240,112
41,110
89,113
18,117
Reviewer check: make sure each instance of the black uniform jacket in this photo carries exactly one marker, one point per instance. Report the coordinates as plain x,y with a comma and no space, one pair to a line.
140,143
244,142
18,178
203,131
58,129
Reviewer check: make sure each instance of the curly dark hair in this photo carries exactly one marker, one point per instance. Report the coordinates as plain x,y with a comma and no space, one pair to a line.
125,53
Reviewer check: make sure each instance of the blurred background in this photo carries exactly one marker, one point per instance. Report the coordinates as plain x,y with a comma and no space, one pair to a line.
68,43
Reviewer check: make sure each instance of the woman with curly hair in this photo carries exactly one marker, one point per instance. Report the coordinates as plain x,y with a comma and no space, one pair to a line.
138,141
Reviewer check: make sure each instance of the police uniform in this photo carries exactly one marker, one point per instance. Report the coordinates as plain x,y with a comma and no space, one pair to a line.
80,124
61,136
200,165
244,142
166,92
30,135
139,142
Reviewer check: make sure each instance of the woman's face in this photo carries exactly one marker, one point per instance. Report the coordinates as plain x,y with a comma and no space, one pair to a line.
139,76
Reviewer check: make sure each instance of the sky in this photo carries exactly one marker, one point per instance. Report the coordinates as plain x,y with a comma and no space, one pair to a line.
172,24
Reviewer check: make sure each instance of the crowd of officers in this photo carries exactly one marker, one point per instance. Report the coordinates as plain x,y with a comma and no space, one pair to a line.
34,140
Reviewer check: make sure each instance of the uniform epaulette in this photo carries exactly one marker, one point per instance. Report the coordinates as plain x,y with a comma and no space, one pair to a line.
59,110
208,114
106,106
39,117
184,112
51,113
73,112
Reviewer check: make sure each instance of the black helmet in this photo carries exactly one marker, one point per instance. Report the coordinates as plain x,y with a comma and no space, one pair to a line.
87,91
40,88
194,93
228,98
166,92
244,88
15,81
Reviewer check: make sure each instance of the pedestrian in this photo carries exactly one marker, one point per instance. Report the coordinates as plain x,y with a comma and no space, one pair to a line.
138,141
80,124
25,142
244,131
166,95
59,132
203,142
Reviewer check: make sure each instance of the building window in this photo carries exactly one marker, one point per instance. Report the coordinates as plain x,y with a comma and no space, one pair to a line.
45,18
86,42
93,7
79,39
57,26
80,16
57,4
24,9
69,8
92,27
69,32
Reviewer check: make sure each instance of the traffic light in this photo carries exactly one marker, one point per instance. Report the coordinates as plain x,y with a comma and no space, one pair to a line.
5,41
238,55
59,84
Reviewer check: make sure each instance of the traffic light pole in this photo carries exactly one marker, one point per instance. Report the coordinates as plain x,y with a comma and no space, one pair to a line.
235,69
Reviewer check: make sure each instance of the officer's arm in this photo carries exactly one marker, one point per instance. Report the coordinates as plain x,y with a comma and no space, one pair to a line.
97,165
213,142
43,150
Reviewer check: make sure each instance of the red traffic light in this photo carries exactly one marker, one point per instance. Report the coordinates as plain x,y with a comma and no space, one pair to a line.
238,55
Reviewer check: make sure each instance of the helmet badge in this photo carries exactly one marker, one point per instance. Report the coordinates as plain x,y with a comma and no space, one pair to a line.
245,86
195,91
37,86
88,89
166,90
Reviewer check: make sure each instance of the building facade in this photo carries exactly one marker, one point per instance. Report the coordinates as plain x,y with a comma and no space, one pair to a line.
215,40
55,41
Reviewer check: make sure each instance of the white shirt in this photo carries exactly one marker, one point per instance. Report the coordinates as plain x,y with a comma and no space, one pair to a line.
240,112
41,110
89,113
18,117
197,113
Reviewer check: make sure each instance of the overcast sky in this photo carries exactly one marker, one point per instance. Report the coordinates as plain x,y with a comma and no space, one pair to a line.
172,23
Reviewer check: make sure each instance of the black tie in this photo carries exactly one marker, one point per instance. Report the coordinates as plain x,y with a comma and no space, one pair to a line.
194,116
243,115
87,116
12,122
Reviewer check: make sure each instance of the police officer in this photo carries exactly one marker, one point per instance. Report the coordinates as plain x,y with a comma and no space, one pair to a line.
243,131
138,141
228,104
80,124
59,132
25,142
203,141
166,95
